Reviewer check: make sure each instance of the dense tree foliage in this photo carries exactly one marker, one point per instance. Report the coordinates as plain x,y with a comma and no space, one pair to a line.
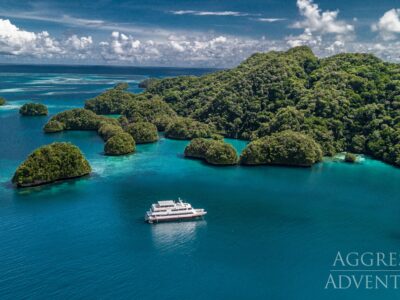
51,163
2,101
135,107
215,152
119,144
282,148
186,129
107,130
111,101
350,157
79,119
53,126
142,132
221,153
151,110
347,102
197,148
147,83
33,109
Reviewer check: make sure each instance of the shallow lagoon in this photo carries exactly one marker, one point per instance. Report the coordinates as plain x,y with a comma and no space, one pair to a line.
271,232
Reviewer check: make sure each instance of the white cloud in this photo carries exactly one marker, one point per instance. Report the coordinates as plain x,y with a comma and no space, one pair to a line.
79,43
14,41
306,38
205,50
322,29
388,25
270,20
209,13
96,24
80,47
18,42
321,22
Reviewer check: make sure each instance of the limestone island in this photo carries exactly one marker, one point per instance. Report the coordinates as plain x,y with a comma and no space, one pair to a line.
187,129
119,144
33,109
214,152
142,132
287,148
149,109
350,157
344,103
77,119
134,107
51,163
148,82
107,131
53,126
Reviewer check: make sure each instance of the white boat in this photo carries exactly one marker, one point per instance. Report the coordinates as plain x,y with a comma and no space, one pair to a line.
170,210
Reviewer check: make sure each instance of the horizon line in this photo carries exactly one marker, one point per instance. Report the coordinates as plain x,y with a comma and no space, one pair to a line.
100,65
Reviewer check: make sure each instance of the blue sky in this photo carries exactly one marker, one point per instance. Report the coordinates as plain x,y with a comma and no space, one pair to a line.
192,33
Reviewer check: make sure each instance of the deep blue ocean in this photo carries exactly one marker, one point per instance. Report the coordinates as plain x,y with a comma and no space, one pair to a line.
270,232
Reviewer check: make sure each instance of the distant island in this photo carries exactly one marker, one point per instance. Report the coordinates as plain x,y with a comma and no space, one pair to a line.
214,152
345,103
120,144
33,109
293,107
50,163
283,148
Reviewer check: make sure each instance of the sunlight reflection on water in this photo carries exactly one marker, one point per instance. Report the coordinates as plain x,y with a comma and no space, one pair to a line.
169,236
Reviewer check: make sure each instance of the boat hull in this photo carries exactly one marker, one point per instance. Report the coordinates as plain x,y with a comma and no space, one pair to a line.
152,220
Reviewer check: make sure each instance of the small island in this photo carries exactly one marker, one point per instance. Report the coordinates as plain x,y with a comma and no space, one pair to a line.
151,109
214,152
142,132
51,163
350,157
77,119
2,101
119,144
287,148
107,131
33,109
276,98
148,82
53,126
187,129
112,101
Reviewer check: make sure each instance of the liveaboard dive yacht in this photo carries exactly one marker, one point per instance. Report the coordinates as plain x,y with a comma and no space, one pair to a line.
170,210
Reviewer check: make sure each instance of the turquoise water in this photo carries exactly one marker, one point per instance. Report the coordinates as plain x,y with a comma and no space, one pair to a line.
270,232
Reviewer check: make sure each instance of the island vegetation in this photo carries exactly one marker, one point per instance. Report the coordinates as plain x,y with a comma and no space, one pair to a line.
111,101
147,83
120,144
282,148
347,102
343,103
50,163
53,126
77,119
215,152
107,130
187,129
150,109
2,101
142,132
350,157
33,109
